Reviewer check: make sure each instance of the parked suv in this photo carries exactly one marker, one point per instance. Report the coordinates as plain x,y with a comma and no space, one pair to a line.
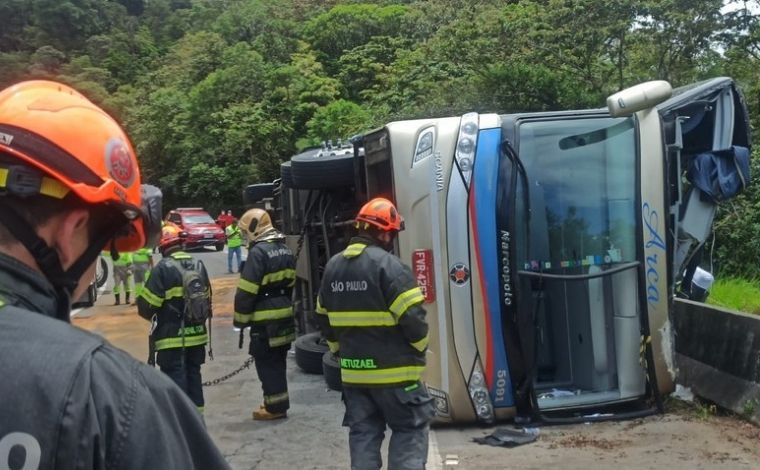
200,227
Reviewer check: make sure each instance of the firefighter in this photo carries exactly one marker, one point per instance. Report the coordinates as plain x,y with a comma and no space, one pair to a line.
234,242
179,344
370,310
263,303
69,188
142,263
122,272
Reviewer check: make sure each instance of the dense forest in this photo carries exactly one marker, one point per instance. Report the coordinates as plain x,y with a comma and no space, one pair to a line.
216,93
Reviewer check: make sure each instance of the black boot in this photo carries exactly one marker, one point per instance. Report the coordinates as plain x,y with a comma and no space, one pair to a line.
127,299
117,299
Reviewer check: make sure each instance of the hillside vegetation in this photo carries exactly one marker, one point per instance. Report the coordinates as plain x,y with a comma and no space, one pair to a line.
216,93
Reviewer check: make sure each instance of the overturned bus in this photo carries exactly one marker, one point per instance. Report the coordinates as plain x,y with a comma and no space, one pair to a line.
549,246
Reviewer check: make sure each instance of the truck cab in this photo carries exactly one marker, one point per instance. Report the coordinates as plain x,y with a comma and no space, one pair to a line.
549,246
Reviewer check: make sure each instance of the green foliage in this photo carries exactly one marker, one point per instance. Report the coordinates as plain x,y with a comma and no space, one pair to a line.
216,93
750,407
736,294
737,246
339,119
346,27
704,410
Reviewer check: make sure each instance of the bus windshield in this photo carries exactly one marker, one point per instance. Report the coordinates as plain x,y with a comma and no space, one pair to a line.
581,177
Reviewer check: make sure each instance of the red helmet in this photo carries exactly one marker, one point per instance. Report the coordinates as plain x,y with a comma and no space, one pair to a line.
380,213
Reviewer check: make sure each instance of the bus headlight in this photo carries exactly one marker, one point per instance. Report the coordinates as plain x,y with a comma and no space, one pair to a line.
479,394
466,145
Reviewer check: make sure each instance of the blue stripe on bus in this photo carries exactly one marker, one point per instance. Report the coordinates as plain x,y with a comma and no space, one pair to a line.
484,189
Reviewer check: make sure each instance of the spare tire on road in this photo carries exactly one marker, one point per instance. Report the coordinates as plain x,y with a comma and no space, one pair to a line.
323,169
331,368
309,351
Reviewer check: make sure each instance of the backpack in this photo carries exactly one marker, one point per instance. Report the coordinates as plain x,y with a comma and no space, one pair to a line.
195,291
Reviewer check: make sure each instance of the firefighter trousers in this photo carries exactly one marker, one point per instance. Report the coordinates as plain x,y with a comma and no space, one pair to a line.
270,367
407,411
187,378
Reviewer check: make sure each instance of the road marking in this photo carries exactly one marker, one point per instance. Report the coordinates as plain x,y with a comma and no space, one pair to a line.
434,455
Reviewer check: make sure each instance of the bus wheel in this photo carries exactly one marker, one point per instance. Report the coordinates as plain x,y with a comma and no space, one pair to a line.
331,368
333,170
309,351
254,193
286,175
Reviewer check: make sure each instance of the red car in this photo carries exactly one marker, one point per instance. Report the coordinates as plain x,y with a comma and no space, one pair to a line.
200,227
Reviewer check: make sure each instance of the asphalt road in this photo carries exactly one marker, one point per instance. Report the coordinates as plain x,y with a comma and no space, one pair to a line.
312,437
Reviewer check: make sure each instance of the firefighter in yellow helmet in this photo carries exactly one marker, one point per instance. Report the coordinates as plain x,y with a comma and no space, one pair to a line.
263,303
70,187
370,309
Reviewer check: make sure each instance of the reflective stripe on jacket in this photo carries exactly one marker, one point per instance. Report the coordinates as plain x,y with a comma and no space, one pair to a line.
370,309
162,295
263,296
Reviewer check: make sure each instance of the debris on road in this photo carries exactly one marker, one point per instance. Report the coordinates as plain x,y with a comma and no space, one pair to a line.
507,437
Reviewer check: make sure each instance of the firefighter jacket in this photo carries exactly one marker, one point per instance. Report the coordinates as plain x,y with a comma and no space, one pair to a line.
75,401
163,296
263,296
370,310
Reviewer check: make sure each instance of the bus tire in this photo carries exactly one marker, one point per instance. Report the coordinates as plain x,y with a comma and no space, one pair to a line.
286,175
333,170
331,369
309,351
254,193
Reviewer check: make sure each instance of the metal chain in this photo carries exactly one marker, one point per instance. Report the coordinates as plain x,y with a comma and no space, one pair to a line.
249,361
235,372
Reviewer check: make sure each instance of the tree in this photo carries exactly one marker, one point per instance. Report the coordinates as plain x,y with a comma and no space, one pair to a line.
346,27
338,120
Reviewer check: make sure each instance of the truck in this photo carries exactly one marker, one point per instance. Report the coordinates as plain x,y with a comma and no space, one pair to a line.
549,245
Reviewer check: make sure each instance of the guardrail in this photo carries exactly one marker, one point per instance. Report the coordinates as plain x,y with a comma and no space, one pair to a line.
718,355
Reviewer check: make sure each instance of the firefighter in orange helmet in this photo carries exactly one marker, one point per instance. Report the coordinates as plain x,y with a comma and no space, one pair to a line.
370,310
69,188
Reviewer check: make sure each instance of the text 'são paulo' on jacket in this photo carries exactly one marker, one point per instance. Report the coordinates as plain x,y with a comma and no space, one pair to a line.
370,309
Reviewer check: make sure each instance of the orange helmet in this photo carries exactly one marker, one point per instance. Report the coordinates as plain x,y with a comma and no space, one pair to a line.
55,142
380,213
75,147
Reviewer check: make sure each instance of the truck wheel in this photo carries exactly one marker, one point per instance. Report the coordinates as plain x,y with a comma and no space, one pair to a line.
254,193
101,272
331,369
286,175
309,351
332,170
